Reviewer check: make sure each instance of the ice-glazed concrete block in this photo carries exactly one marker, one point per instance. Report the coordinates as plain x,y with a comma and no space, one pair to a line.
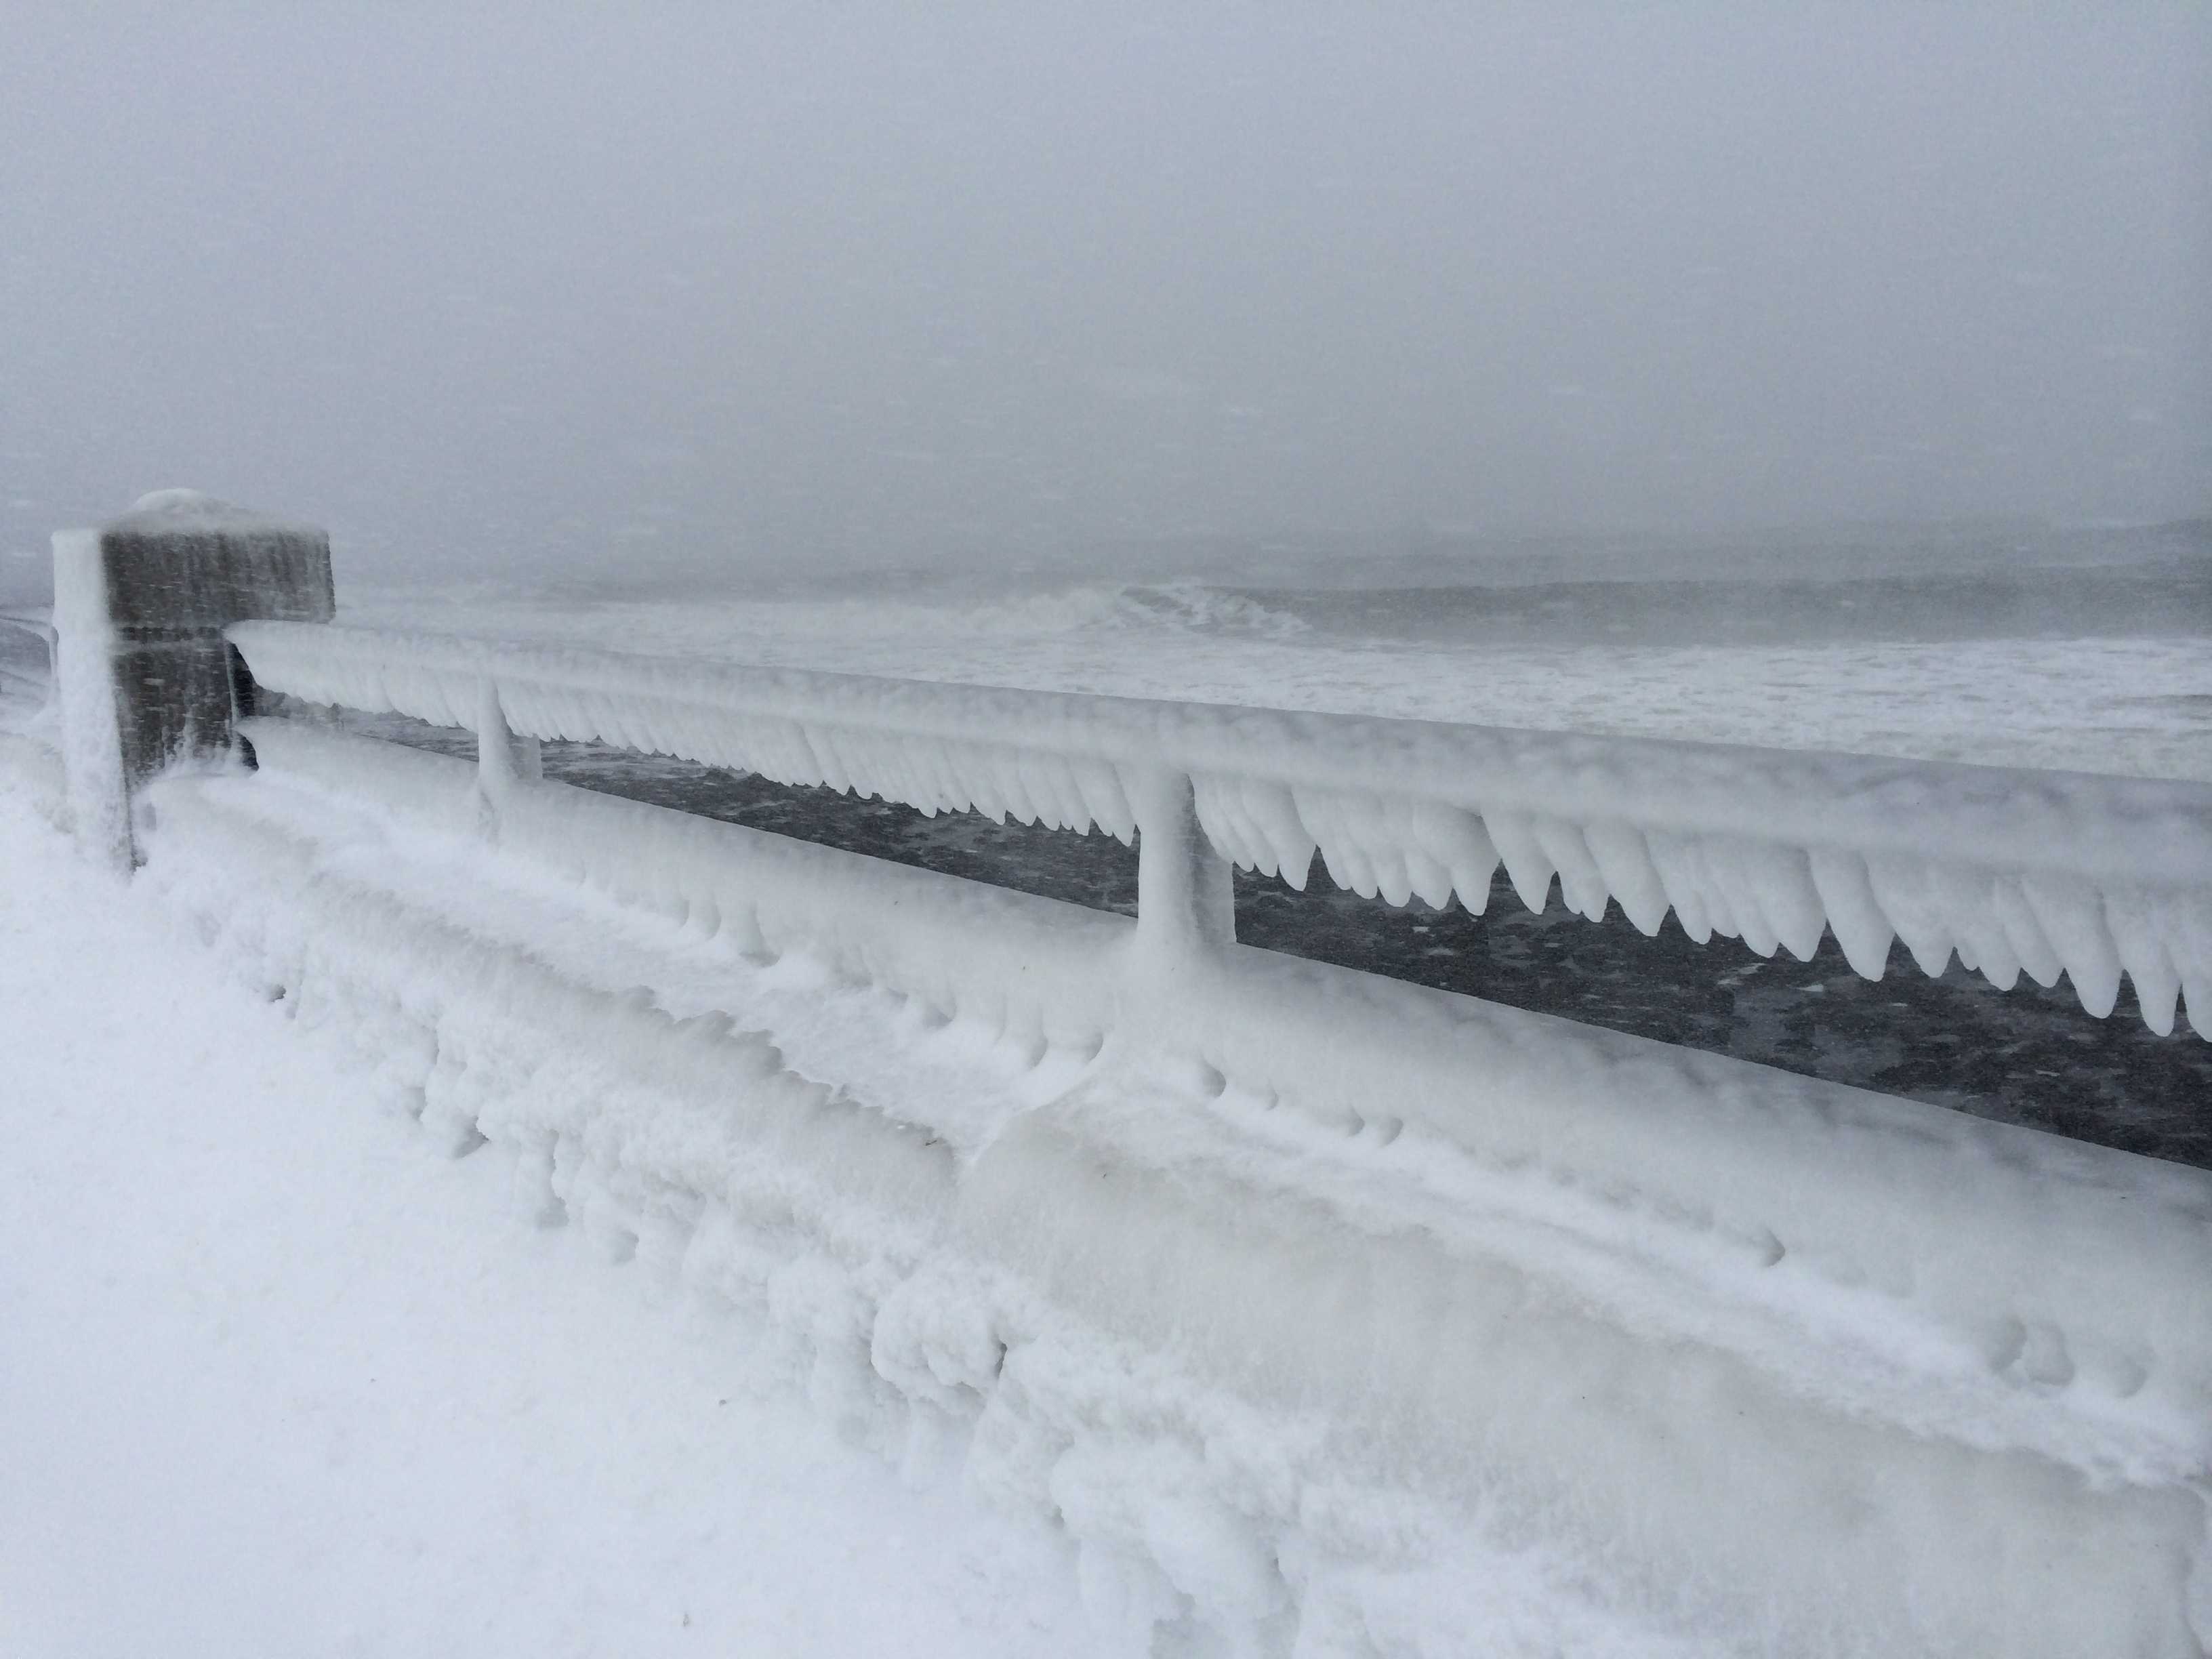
146,676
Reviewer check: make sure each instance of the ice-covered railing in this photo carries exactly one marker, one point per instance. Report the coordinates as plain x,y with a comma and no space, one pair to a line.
38,623
2014,871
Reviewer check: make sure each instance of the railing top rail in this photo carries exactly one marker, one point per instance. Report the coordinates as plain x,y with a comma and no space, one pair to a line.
30,619
2012,869
2054,818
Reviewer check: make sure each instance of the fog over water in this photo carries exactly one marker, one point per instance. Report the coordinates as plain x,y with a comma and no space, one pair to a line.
508,292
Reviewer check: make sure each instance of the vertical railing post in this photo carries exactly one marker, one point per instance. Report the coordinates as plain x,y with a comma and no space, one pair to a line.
502,758
1186,898
25,621
145,676
496,770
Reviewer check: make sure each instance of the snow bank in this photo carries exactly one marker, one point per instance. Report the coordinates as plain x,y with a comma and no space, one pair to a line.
1389,1359
278,1383
1303,1277
2012,872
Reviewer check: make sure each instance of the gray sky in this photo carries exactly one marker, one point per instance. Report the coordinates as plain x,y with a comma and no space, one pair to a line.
846,284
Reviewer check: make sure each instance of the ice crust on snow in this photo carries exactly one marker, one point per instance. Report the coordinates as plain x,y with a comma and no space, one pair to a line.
1297,1270
2012,872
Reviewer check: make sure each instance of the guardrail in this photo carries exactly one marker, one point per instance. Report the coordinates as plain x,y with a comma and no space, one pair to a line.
2014,871
38,623
1781,1344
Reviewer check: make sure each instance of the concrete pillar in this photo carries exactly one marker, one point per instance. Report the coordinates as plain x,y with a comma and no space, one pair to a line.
145,675
1186,896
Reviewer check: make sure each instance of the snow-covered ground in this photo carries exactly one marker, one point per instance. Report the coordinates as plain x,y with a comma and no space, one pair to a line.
1277,1374
276,1380
281,1375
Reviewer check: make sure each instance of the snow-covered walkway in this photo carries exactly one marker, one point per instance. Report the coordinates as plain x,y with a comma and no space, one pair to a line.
275,1382
1132,1359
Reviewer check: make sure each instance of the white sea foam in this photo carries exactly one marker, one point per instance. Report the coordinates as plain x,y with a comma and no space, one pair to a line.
2132,707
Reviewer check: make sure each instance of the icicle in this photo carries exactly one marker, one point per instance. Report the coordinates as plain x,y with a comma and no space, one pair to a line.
808,755
1968,900
1860,926
1317,810
1393,880
1348,864
988,768
1431,880
653,721
1515,837
894,775
1900,883
942,782
1674,859
886,771
1382,839
1037,785
851,756
2131,916
2023,931
1455,839
900,779
1728,865
1209,800
1057,793
1078,814
822,749
959,788
1113,809
1704,858
1250,834
1582,884
1782,876
1625,867
616,727
2071,913
1005,771
1275,811
794,762
2187,919
1029,803
973,788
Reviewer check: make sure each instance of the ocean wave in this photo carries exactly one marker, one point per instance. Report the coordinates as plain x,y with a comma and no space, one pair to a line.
964,612
1203,608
